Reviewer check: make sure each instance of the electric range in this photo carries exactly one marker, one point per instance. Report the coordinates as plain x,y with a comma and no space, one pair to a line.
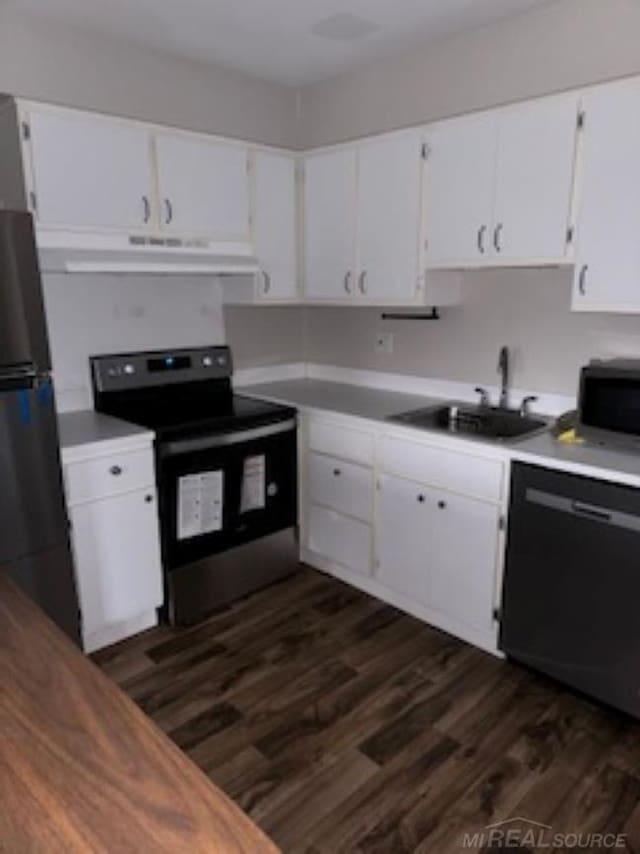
226,469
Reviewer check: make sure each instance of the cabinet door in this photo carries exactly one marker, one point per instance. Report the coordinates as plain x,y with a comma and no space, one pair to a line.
117,558
204,187
275,225
404,537
459,191
329,227
534,180
463,558
90,172
607,270
388,217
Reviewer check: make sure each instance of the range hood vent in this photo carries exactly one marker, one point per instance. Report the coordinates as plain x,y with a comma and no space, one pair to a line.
119,254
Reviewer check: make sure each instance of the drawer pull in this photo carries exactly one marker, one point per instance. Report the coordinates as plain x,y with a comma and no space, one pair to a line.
116,471
148,499
337,472
442,505
421,498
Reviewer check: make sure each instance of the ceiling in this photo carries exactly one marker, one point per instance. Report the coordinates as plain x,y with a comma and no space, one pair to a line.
293,42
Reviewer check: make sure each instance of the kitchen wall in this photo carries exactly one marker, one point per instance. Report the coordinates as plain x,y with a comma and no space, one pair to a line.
89,315
562,45
526,310
50,62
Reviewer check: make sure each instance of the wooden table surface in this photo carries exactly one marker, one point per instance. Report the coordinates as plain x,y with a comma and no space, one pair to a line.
83,769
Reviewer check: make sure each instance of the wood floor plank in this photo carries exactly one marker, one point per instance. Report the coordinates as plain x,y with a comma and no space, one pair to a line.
341,724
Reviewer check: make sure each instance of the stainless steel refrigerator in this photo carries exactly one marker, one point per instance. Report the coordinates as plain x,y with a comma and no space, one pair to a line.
34,532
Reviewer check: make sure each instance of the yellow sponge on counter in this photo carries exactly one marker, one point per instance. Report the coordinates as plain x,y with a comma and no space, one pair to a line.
570,437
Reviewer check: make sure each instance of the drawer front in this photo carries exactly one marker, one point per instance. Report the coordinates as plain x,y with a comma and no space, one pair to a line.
452,470
343,442
345,487
340,538
109,475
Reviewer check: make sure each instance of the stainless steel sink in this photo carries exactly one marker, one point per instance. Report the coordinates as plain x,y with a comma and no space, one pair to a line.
489,422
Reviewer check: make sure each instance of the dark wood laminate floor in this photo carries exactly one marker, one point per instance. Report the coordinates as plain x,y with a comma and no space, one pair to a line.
340,724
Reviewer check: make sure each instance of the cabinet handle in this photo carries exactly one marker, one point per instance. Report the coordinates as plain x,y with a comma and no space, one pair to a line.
267,282
169,211
442,505
361,282
582,280
421,498
116,471
148,499
496,237
147,209
337,472
481,233
347,281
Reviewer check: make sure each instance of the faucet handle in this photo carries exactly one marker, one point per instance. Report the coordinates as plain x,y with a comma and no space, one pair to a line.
524,406
484,396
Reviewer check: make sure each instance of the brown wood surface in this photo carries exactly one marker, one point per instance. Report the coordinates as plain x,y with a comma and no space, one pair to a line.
340,724
83,769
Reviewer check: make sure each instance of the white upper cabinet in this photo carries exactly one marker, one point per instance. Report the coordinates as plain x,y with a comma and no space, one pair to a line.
389,217
607,269
500,186
89,172
534,180
204,187
459,191
329,224
275,225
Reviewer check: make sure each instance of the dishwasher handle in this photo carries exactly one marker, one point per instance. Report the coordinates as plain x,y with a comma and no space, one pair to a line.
589,512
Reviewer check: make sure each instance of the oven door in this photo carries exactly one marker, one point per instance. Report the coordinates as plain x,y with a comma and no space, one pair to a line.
220,491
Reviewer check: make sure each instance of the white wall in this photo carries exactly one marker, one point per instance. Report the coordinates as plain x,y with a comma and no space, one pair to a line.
90,315
50,62
527,310
562,45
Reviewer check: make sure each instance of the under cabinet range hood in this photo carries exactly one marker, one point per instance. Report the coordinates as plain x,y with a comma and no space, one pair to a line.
118,254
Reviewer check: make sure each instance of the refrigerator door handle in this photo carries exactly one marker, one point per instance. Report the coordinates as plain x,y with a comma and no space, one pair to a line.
21,378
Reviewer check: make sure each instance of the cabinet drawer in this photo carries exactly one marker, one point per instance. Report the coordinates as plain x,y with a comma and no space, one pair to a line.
340,538
345,487
343,442
109,475
452,470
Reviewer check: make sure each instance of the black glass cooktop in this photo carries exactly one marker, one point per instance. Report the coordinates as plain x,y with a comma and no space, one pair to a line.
171,414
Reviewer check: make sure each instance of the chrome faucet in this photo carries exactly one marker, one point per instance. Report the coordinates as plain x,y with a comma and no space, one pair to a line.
503,369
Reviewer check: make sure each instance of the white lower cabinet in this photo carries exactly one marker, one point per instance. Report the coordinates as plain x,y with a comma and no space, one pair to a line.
415,524
116,545
339,538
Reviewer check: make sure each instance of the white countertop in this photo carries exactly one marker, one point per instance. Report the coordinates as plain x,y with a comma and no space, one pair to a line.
375,404
89,433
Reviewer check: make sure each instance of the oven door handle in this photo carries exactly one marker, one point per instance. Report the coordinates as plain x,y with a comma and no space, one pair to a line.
221,440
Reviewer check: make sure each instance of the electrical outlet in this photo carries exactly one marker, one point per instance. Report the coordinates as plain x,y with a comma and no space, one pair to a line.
384,343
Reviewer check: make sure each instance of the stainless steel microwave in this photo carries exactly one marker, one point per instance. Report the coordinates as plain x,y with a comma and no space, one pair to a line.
609,402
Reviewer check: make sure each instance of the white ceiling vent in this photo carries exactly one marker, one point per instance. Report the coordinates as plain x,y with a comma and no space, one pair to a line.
344,27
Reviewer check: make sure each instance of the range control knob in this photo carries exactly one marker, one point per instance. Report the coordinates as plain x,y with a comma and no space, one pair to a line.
207,361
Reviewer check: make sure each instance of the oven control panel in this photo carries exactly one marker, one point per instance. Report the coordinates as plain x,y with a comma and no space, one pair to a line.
124,371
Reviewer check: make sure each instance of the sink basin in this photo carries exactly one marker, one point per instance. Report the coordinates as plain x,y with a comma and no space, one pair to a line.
468,420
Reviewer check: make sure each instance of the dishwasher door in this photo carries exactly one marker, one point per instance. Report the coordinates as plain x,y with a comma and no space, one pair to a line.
571,595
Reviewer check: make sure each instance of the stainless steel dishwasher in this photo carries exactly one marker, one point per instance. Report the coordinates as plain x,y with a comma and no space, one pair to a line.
571,596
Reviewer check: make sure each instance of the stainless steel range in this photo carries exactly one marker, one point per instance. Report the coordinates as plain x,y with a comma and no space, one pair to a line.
226,467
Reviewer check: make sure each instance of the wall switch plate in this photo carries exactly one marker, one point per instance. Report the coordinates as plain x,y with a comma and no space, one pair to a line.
384,343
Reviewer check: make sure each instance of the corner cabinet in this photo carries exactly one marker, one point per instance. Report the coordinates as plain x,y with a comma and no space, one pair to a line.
115,540
363,225
500,186
384,511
